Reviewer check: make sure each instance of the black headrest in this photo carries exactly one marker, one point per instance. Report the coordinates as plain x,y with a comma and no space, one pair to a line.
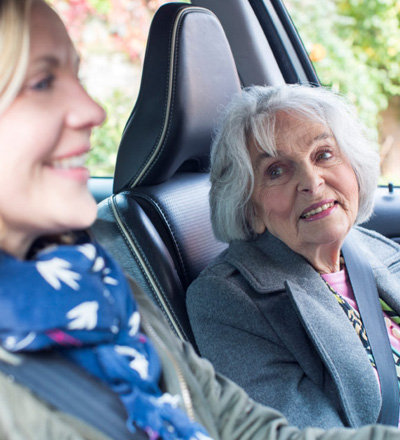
188,75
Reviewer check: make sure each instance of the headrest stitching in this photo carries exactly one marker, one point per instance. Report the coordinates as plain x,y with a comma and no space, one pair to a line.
152,159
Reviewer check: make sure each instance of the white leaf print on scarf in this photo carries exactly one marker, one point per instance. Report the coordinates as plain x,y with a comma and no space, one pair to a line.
134,323
138,363
168,398
56,270
83,316
88,250
12,343
99,264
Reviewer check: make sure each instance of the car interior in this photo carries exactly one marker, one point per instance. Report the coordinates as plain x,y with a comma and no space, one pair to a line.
154,215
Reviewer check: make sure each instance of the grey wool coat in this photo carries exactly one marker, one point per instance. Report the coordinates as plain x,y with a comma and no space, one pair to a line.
265,318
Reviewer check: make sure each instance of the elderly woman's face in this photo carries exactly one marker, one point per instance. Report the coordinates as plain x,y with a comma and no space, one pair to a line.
307,195
44,137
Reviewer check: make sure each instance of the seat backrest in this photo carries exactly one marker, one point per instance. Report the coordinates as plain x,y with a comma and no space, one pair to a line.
157,222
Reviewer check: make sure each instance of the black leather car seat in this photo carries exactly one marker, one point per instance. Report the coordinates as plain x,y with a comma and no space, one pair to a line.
157,221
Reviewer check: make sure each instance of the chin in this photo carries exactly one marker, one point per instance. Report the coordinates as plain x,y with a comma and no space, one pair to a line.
82,217
87,220
72,211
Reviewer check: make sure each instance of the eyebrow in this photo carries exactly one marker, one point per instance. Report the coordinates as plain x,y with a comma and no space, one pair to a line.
54,62
47,59
261,156
322,136
259,160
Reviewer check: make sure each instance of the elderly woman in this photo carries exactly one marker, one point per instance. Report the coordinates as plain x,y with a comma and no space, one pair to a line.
65,304
292,175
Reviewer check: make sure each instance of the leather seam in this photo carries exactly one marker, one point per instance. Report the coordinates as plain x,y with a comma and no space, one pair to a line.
171,85
146,267
171,230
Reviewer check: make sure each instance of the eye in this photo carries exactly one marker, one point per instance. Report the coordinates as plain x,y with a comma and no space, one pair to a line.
44,84
275,171
324,155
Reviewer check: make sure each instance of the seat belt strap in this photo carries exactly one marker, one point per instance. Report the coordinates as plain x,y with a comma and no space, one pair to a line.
366,294
72,390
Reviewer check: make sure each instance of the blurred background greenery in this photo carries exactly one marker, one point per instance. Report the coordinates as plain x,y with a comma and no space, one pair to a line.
111,38
353,44
355,48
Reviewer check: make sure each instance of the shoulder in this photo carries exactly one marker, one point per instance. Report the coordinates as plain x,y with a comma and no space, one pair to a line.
147,308
261,265
376,247
223,274
223,292
220,269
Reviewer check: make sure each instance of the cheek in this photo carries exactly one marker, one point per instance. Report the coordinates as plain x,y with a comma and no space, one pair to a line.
273,205
347,182
23,145
29,122
15,176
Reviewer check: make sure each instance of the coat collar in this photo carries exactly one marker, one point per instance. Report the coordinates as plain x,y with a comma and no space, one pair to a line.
270,266
267,251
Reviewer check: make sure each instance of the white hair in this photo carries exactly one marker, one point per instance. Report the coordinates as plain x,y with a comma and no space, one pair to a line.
251,116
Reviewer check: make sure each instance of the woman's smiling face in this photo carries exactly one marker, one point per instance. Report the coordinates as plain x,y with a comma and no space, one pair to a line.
306,195
44,138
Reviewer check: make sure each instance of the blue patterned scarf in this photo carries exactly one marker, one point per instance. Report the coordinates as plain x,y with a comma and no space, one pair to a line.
76,299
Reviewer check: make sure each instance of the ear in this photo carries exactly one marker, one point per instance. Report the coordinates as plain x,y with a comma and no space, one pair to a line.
255,221
258,225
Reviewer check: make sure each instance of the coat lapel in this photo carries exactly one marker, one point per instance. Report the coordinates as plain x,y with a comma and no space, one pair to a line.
341,351
296,301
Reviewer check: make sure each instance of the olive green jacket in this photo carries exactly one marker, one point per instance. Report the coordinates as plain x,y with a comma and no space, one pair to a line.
221,406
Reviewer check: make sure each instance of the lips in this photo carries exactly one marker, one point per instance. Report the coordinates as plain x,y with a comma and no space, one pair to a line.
315,209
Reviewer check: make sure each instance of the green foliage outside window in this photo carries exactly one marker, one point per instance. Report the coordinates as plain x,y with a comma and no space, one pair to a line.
355,48
354,45
111,36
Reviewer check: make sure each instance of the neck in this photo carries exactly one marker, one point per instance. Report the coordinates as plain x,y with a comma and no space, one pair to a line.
17,246
324,258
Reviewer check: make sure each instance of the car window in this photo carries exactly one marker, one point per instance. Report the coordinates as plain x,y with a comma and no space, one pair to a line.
355,48
111,35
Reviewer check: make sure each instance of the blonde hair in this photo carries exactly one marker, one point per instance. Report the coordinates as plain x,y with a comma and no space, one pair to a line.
14,48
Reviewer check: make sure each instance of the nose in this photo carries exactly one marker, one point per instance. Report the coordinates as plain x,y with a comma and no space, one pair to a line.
84,111
310,180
